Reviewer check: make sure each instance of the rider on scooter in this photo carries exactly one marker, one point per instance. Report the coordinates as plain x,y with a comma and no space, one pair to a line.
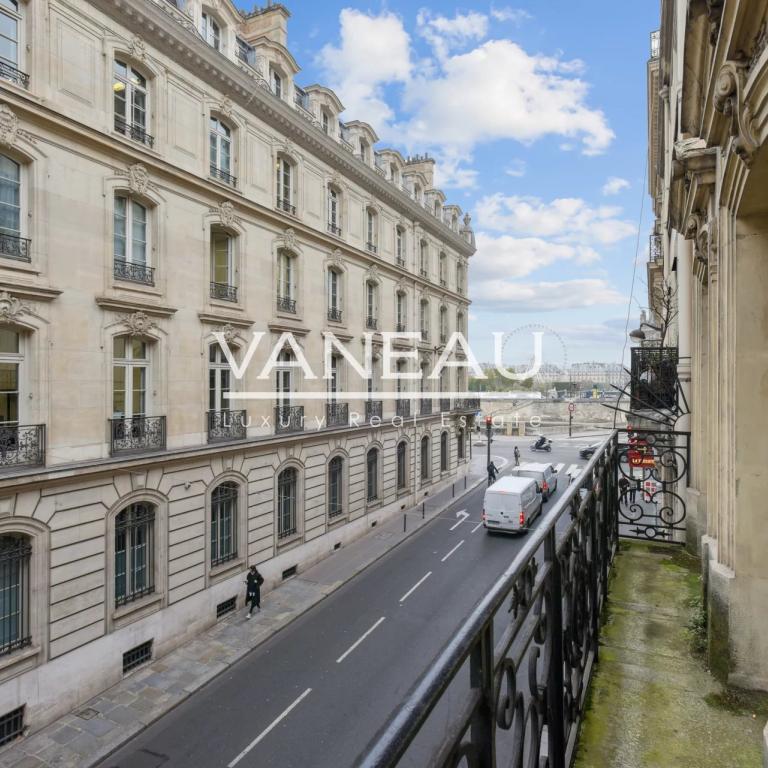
540,441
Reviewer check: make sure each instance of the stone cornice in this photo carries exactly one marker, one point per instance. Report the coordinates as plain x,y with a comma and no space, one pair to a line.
27,291
156,22
221,318
125,305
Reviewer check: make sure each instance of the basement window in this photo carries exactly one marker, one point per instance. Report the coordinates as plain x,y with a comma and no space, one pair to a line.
12,725
137,656
222,609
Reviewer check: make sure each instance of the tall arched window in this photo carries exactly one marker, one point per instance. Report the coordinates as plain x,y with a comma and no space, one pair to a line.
220,139
460,446
371,230
285,185
131,102
286,282
335,487
372,474
284,377
10,203
134,553
334,295
371,305
459,278
130,369
130,238
443,267
424,319
334,211
423,258
277,82
11,360
460,323
444,452
287,491
402,465
224,523
15,555
443,325
210,31
425,458
223,282
401,311
400,246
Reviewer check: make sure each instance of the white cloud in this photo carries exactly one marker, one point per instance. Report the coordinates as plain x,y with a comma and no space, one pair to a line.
516,169
509,296
515,15
568,219
614,185
445,34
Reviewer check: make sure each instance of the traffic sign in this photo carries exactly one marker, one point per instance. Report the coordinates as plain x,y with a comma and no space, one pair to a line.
571,407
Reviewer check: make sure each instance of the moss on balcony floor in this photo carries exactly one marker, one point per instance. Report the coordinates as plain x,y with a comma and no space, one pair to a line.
653,703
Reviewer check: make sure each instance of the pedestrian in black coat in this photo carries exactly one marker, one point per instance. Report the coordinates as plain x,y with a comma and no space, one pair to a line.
517,456
623,487
253,580
492,472
633,488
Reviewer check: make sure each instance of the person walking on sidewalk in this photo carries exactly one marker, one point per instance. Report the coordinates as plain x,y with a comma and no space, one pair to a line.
623,488
253,580
492,473
517,456
633,491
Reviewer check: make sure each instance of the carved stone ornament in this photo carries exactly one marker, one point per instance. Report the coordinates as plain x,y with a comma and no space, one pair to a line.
229,332
138,179
467,221
289,239
227,213
335,260
11,308
9,125
760,44
729,99
138,48
372,274
225,107
138,323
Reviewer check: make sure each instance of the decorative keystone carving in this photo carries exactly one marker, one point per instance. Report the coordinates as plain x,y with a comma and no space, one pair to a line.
11,308
138,179
225,107
336,261
227,213
139,324
729,99
138,48
229,332
9,125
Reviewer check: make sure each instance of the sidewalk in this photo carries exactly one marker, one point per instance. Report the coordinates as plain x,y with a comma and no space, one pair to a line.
653,704
100,726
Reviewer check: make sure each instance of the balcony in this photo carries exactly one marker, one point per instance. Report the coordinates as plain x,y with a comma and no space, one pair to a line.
227,425
372,323
22,446
133,131
656,254
423,272
289,418
445,404
9,72
337,414
467,404
400,327
373,408
223,291
653,378
15,247
333,229
286,304
424,334
403,408
285,205
334,314
222,175
371,247
443,337
400,261
134,273
136,434
443,282
425,407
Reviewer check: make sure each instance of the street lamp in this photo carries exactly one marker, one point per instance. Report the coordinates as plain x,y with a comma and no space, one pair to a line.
488,433
639,334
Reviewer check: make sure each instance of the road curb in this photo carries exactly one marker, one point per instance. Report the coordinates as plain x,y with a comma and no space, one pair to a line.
279,628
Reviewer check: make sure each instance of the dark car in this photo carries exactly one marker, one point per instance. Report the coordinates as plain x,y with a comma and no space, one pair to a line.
588,452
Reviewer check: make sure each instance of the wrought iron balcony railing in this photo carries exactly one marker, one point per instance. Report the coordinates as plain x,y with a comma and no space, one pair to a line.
371,322
656,254
15,247
423,272
334,314
133,131
467,404
137,434
400,327
337,414
373,408
222,175
22,445
653,378
334,230
403,407
289,418
135,273
513,679
371,247
400,261
443,282
227,425
443,337
285,205
445,404
9,72
223,291
286,304
425,407
424,334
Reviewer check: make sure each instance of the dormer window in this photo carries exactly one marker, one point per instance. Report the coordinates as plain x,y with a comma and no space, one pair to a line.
211,31
394,174
365,151
277,84
417,192
326,123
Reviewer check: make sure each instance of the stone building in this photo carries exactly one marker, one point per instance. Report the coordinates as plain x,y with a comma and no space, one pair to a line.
167,186
708,177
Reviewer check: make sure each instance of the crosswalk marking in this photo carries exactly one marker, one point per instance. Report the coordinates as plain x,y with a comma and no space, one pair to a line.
559,467
574,470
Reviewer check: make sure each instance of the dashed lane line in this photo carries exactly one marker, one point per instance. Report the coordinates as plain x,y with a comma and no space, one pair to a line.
358,641
415,587
452,551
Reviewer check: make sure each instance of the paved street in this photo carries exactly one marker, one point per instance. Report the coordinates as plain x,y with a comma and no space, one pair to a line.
335,675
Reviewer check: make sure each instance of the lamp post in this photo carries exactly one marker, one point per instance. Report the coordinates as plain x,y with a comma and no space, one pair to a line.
488,434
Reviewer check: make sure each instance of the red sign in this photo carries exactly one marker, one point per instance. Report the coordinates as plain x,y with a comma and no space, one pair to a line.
571,407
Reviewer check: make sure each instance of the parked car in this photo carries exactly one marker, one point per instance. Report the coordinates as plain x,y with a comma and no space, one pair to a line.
544,475
589,451
510,504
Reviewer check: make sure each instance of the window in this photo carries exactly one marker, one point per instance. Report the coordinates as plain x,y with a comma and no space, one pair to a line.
12,244
130,367
130,241
335,486
134,553
285,185
460,444
222,266
437,208
417,192
459,278
402,467
334,211
400,246
424,319
444,452
423,258
286,282
425,458
371,305
284,377
221,151
224,523
443,267
334,380
443,325
326,122
131,104
365,151
287,487
394,174
11,359
460,322
219,379
371,229
10,26
15,554
211,31
372,474
245,52
401,311
334,295
277,84
455,222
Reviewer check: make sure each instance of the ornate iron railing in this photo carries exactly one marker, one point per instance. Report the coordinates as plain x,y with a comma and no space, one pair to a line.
334,314
424,334
371,322
400,261
423,272
371,247
22,445
467,404
133,131
286,304
373,408
136,273
445,404
223,291
9,72
334,230
137,434
15,247
403,408
400,327
289,418
227,425
222,175
15,554
337,414
512,681
653,378
285,205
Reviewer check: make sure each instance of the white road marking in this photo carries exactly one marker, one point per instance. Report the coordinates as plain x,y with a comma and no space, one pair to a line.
358,641
280,717
463,515
415,586
452,551
573,470
559,467
476,527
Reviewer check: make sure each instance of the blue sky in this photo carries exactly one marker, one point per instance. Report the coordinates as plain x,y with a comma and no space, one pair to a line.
536,113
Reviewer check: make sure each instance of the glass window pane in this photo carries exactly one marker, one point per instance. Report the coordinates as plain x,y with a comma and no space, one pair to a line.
118,347
138,349
9,341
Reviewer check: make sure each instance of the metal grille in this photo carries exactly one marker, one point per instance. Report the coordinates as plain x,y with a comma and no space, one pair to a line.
371,322
8,72
337,414
227,178
223,523
334,314
15,553
22,445
136,273
133,131
334,230
654,378
445,404
136,434
371,247
223,291
285,304
335,480
403,407
373,408
285,205
425,407
222,609
227,425
134,553
15,247
289,418
287,484
12,725
137,656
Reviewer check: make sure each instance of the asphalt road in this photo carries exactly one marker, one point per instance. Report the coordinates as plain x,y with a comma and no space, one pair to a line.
316,693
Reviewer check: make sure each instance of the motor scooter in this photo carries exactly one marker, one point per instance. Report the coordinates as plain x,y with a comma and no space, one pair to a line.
546,445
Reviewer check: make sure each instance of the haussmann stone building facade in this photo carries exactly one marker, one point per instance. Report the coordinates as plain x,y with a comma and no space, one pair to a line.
164,179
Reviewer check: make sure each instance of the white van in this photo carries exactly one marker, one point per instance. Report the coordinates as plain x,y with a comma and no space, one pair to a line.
544,475
510,504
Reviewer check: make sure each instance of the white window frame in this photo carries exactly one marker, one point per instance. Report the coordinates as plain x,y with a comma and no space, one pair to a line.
128,238
18,18
211,31
221,134
21,187
230,257
286,275
130,363
284,181
17,359
131,90
220,369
